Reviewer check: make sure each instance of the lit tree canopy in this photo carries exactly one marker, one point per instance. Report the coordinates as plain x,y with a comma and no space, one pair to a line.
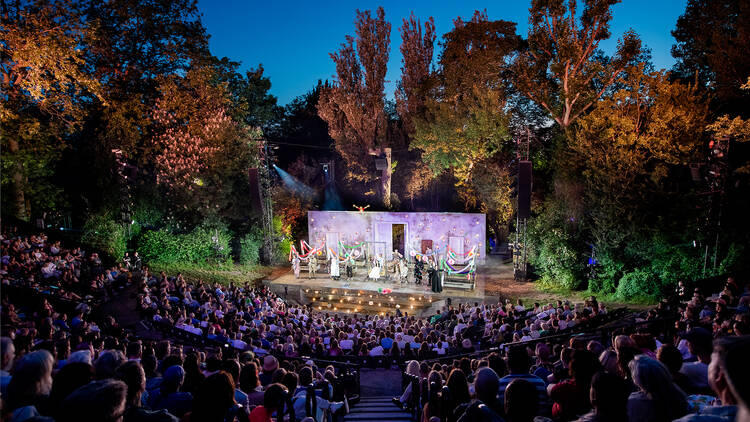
563,71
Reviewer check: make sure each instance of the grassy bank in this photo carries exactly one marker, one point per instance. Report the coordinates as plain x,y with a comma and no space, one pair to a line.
224,274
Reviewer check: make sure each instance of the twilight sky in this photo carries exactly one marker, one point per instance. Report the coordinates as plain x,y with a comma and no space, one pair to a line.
292,39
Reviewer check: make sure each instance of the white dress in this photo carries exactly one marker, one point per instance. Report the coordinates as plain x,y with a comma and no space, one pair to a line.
375,271
335,267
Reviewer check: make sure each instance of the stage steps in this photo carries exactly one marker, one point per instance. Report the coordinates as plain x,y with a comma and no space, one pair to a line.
368,302
377,409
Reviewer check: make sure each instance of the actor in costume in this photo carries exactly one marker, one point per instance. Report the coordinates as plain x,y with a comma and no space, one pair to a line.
333,267
296,266
351,264
312,265
403,269
418,268
375,270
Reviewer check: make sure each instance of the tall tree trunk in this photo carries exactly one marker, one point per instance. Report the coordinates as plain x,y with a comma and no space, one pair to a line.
18,197
385,179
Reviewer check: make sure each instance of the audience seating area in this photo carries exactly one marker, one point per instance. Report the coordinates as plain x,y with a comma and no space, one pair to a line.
242,353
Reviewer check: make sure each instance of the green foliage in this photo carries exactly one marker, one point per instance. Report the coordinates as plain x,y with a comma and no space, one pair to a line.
203,245
638,283
554,249
104,233
250,244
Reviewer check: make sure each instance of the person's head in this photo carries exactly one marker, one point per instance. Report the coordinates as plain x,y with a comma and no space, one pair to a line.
518,360
132,374
670,357
172,380
290,381
699,341
134,350
232,367
249,377
305,376
213,398
98,401
68,379
412,368
583,366
270,364
458,386
654,379
486,385
107,363
274,397
32,378
521,401
7,352
727,374
609,396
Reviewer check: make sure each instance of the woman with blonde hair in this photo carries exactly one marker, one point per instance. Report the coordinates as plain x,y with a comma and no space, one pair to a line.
412,368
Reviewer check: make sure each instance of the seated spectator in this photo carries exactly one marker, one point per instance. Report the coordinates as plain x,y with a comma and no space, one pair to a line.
609,399
270,365
98,401
65,381
214,401
720,372
658,398
250,384
132,374
8,354
486,384
522,402
518,368
699,343
30,384
306,401
671,357
571,397
275,400
412,368
459,397
168,396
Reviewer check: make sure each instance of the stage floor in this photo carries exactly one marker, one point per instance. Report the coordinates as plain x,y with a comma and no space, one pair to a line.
490,272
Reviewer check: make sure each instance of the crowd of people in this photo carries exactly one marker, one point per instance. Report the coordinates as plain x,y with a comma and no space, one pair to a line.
688,365
63,361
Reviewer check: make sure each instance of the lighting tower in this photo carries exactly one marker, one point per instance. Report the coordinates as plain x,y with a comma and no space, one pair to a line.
521,191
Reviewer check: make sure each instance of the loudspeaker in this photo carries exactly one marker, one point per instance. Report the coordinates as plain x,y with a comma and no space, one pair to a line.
256,205
524,189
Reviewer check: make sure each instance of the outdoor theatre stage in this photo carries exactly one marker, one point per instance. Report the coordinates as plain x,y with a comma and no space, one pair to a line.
455,242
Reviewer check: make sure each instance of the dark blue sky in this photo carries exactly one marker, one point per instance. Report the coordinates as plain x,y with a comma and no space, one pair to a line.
292,39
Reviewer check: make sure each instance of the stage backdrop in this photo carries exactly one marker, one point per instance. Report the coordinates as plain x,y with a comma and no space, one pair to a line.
402,231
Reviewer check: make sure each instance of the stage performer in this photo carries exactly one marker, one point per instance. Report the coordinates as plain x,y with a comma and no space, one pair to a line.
418,268
312,265
375,270
350,265
431,274
334,267
403,270
296,266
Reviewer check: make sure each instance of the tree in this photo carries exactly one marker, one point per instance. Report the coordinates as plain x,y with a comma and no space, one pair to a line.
44,85
712,39
203,150
416,52
630,146
563,71
465,121
353,107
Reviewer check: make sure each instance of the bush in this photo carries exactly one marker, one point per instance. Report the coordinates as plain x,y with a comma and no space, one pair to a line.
250,244
555,251
203,245
638,284
102,232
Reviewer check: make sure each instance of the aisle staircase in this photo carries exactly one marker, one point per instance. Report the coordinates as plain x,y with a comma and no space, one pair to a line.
379,408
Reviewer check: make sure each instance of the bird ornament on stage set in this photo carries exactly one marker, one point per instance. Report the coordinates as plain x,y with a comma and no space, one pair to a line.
361,209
